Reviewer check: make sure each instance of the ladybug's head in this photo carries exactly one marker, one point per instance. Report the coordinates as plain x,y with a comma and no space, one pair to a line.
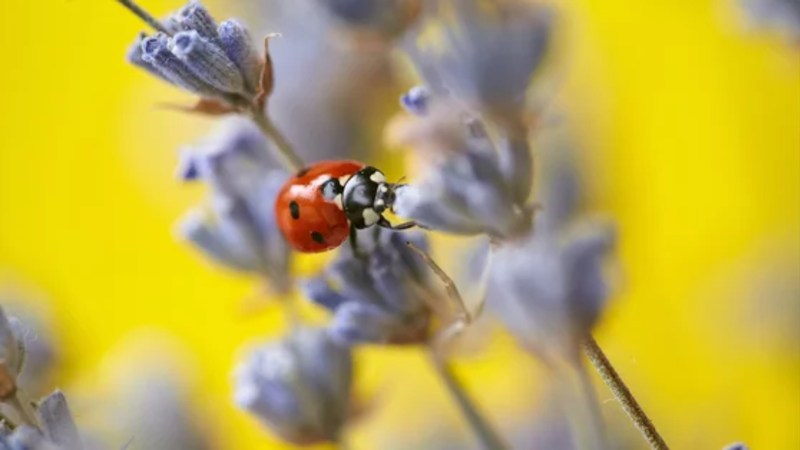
366,196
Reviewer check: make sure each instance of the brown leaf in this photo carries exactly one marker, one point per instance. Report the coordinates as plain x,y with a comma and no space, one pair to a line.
205,106
267,81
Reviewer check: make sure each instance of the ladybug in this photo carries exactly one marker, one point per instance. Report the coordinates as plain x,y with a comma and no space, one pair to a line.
322,205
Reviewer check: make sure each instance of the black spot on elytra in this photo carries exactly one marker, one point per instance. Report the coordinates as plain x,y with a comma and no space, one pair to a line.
294,208
302,172
317,237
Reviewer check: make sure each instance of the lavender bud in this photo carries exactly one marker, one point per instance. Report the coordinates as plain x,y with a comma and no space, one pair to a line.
135,56
238,44
465,194
549,292
782,15
300,387
208,62
156,52
28,438
195,17
416,100
240,229
736,446
383,298
491,56
57,422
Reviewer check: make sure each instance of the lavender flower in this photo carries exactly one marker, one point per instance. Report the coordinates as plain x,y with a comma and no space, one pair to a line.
175,426
299,387
490,54
550,292
217,62
470,188
33,338
416,100
385,298
736,446
238,227
57,422
385,19
328,99
783,15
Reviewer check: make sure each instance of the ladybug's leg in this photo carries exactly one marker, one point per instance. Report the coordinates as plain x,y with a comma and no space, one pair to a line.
354,245
384,223
353,240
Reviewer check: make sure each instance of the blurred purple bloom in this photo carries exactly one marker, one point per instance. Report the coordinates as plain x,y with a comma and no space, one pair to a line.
383,298
736,446
328,99
472,188
491,52
384,18
782,15
157,413
57,422
550,292
237,228
299,387
416,100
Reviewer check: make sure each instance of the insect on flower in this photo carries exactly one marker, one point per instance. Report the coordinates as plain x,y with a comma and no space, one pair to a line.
321,205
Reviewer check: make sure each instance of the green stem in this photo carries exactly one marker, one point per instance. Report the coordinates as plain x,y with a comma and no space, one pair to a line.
290,160
488,437
623,395
144,15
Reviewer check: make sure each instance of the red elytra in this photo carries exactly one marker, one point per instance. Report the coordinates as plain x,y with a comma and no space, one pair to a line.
310,222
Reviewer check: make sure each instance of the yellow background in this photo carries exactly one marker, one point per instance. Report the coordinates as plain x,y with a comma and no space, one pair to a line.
690,129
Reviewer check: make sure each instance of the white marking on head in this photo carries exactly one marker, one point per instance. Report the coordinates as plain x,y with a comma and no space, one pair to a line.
378,177
338,201
379,202
343,179
370,217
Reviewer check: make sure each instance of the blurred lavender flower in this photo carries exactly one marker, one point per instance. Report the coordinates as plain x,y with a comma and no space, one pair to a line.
190,50
238,229
469,187
386,298
175,426
550,292
57,422
58,430
484,53
782,15
416,100
736,446
40,354
381,20
300,386
328,99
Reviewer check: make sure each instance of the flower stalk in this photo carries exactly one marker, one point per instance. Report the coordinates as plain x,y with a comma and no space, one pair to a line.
489,438
289,157
623,395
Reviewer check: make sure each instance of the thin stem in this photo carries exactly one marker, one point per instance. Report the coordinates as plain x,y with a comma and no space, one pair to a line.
623,394
489,438
144,15
291,161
